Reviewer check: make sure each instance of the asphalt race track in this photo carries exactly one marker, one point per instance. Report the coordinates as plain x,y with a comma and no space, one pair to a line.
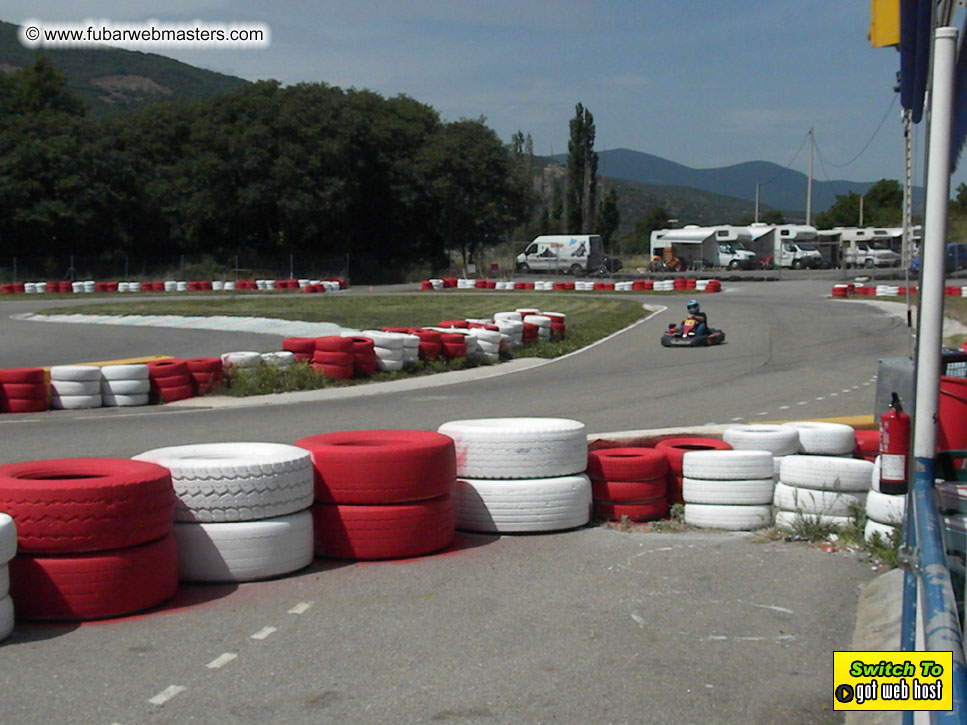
593,625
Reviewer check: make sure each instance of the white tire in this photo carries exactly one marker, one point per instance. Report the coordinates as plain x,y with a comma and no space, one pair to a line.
4,580
731,518
513,506
124,372
789,519
243,359
824,439
509,317
780,440
281,359
489,347
389,340
388,353
75,402
518,447
886,508
875,527
389,365
749,491
727,465
219,482
826,472
485,335
817,501
117,400
244,550
75,372
75,387
6,617
8,538
125,387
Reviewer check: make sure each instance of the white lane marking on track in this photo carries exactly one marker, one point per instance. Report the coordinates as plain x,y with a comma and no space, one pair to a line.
783,407
847,390
166,694
638,618
735,420
773,607
803,402
820,397
300,608
763,412
221,660
834,395
263,633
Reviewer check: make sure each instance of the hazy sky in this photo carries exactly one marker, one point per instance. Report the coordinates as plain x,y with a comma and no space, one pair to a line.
707,83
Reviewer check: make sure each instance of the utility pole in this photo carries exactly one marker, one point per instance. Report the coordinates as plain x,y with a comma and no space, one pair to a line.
862,197
757,203
809,184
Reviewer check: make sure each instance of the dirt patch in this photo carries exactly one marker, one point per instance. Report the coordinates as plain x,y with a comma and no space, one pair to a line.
124,85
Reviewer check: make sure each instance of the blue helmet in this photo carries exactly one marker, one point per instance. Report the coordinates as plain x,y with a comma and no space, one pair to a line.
692,306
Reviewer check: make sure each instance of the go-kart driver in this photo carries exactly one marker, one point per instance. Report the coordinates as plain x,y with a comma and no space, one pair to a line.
696,323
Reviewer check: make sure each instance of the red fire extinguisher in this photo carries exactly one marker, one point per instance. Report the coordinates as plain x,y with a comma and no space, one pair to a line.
894,448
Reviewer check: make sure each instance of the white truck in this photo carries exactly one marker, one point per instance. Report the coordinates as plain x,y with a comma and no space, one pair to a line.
576,254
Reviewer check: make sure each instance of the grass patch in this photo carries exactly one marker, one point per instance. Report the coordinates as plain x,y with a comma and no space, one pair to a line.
588,319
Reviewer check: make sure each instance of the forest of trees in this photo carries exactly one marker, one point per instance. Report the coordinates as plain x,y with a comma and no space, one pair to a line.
264,172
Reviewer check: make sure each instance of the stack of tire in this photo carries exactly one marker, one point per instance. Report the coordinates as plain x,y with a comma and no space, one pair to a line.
520,474
390,348
333,357
823,483
74,387
558,324
629,483
511,324
454,344
23,390
242,509
206,374
382,494
489,340
365,362
543,324
675,449
302,347
431,344
780,440
93,537
241,361
280,360
825,489
885,510
8,549
730,490
125,385
170,380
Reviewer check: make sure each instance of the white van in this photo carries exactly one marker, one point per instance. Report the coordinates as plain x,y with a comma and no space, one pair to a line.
575,254
869,247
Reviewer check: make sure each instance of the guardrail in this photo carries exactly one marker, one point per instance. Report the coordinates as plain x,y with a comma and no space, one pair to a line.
928,575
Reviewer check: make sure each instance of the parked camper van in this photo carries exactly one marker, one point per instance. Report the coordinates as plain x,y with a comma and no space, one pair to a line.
789,245
869,247
692,245
576,254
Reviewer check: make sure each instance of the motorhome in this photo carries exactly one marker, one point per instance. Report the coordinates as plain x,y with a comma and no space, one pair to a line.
789,245
719,246
867,247
576,254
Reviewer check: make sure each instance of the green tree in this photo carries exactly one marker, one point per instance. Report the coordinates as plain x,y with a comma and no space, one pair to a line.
960,201
881,207
639,241
609,218
582,173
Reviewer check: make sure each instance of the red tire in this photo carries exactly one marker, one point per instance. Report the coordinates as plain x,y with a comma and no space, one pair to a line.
204,365
333,358
23,390
167,368
430,350
453,338
461,324
365,364
363,346
635,512
170,395
381,466
334,344
95,586
674,494
22,375
429,336
626,464
867,443
299,345
74,505
203,383
630,491
454,350
175,381
384,532
336,372
23,405
676,448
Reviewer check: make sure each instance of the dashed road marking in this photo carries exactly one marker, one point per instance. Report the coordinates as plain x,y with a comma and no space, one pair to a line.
820,397
300,608
221,660
783,407
263,633
166,694
803,402
736,420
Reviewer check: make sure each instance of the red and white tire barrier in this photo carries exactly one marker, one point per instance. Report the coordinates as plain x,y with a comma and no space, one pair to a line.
8,549
629,483
241,509
674,450
780,440
125,385
826,489
824,439
75,387
170,380
23,390
728,489
94,537
382,494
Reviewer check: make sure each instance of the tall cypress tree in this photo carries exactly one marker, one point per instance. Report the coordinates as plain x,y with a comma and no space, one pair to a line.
582,173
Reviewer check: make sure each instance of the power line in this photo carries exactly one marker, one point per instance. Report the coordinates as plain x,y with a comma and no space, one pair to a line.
789,165
873,137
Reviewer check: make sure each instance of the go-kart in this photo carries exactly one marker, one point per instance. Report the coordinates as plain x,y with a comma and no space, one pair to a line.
687,337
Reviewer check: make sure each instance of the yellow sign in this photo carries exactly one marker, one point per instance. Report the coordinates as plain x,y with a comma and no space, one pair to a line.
884,28
892,680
